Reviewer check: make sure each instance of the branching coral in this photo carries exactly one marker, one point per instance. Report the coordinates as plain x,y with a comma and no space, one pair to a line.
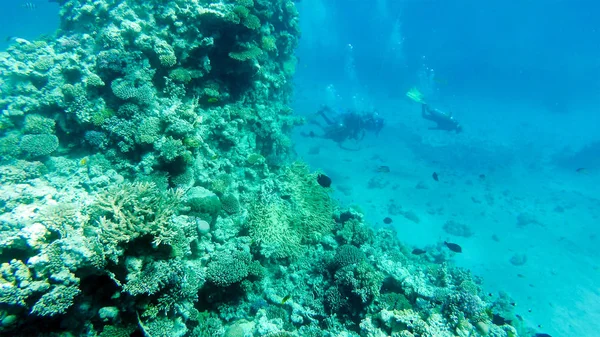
131,210
269,224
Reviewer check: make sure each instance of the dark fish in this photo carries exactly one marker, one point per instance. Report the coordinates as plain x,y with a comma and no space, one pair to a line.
453,247
285,299
286,197
499,320
482,176
541,335
383,169
581,170
311,134
30,5
519,317
513,304
435,176
387,220
323,180
418,251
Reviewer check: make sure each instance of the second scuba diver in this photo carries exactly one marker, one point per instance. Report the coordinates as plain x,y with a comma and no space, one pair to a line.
443,120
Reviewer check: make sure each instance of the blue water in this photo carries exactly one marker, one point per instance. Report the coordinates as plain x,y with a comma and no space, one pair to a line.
20,20
523,78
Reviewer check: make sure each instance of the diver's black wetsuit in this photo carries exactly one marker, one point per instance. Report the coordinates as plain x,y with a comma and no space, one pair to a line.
347,126
443,120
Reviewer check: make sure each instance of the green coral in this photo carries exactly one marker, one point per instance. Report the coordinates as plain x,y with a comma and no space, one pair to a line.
36,124
38,145
99,117
361,280
149,130
347,255
170,148
245,3
230,203
251,21
255,158
117,331
269,43
202,201
269,223
226,268
181,75
312,204
250,52
57,301
9,145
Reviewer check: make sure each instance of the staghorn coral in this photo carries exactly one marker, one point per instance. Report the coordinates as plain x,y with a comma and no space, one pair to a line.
130,210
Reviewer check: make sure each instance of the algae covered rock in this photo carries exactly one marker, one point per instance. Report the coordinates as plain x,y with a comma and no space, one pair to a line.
202,201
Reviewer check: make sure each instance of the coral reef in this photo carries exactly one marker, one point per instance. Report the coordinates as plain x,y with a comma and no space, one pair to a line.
148,188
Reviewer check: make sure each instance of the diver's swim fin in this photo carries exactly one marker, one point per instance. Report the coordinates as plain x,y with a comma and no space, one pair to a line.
415,95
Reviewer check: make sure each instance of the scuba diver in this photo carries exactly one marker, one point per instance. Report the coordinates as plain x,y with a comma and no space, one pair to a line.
350,125
443,120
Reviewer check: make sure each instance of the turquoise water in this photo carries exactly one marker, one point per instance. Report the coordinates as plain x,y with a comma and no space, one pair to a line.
146,153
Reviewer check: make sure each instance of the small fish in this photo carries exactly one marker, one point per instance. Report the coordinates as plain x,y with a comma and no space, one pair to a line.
286,197
212,100
435,176
387,220
581,170
383,169
519,317
453,247
541,335
418,251
482,176
84,161
29,5
286,298
513,304
324,180
499,320
520,276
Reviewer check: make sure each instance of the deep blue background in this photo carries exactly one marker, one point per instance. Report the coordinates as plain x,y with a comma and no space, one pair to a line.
543,50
